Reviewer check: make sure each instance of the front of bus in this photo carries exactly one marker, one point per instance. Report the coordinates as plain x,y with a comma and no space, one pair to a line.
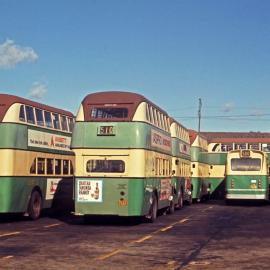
246,175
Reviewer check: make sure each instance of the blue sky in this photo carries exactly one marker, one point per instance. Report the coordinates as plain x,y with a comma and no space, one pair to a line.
171,51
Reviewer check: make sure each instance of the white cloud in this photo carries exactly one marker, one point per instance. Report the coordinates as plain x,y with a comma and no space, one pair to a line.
228,107
257,112
12,54
38,90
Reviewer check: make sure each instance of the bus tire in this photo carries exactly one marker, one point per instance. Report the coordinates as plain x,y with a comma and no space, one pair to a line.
152,216
180,202
35,205
171,208
189,201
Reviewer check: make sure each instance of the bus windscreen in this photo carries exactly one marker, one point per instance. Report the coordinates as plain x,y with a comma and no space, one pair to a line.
107,113
246,164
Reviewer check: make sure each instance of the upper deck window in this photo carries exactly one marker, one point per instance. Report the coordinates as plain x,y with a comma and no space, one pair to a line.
266,147
226,147
70,124
39,117
240,146
22,114
254,146
48,119
107,113
56,123
246,164
64,123
30,115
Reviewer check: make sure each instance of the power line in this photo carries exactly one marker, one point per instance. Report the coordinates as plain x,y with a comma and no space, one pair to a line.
233,116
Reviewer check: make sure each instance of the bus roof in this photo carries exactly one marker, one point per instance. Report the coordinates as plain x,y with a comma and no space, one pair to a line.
7,100
172,120
193,135
115,98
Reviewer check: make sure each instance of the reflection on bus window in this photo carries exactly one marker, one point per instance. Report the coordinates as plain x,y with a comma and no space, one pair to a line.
113,166
39,117
71,168
266,147
226,147
33,167
103,113
41,166
64,123
49,166
57,166
70,124
56,123
65,166
22,114
254,146
238,146
30,115
245,164
48,119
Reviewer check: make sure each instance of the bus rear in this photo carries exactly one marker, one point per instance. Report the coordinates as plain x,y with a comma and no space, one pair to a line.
247,175
123,156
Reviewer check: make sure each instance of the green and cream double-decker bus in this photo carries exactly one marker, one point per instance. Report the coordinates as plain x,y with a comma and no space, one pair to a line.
122,147
247,175
181,163
35,155
199,166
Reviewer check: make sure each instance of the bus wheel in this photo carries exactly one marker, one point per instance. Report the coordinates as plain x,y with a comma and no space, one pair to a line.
34,208
171,208
152,216
189,201
180,201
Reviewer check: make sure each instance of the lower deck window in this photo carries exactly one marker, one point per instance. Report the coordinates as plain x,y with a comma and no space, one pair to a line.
112,166
57,166
41,166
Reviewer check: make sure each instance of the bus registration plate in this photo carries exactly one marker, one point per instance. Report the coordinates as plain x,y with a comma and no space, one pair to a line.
106,130
122,202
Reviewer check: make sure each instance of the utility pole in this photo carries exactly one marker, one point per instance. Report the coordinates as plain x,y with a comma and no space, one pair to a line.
199,115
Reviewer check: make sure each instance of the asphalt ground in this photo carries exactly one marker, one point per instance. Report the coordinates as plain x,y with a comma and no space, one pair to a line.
208,235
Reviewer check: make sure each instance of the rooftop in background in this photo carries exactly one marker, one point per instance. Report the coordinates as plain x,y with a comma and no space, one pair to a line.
237,137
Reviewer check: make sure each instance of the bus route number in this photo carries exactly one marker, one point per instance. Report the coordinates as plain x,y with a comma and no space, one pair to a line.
106,131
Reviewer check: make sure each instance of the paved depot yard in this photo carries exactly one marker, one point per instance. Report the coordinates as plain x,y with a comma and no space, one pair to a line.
202,236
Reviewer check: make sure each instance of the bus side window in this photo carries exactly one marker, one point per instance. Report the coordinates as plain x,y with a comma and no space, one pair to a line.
22,114
49,166
33,167
30,115
64,123
57,167
65,167
71,167
70,124
41,166
56,123
48,119
39,117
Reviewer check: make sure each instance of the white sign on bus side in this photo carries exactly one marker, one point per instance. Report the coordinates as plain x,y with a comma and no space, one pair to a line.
48,140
